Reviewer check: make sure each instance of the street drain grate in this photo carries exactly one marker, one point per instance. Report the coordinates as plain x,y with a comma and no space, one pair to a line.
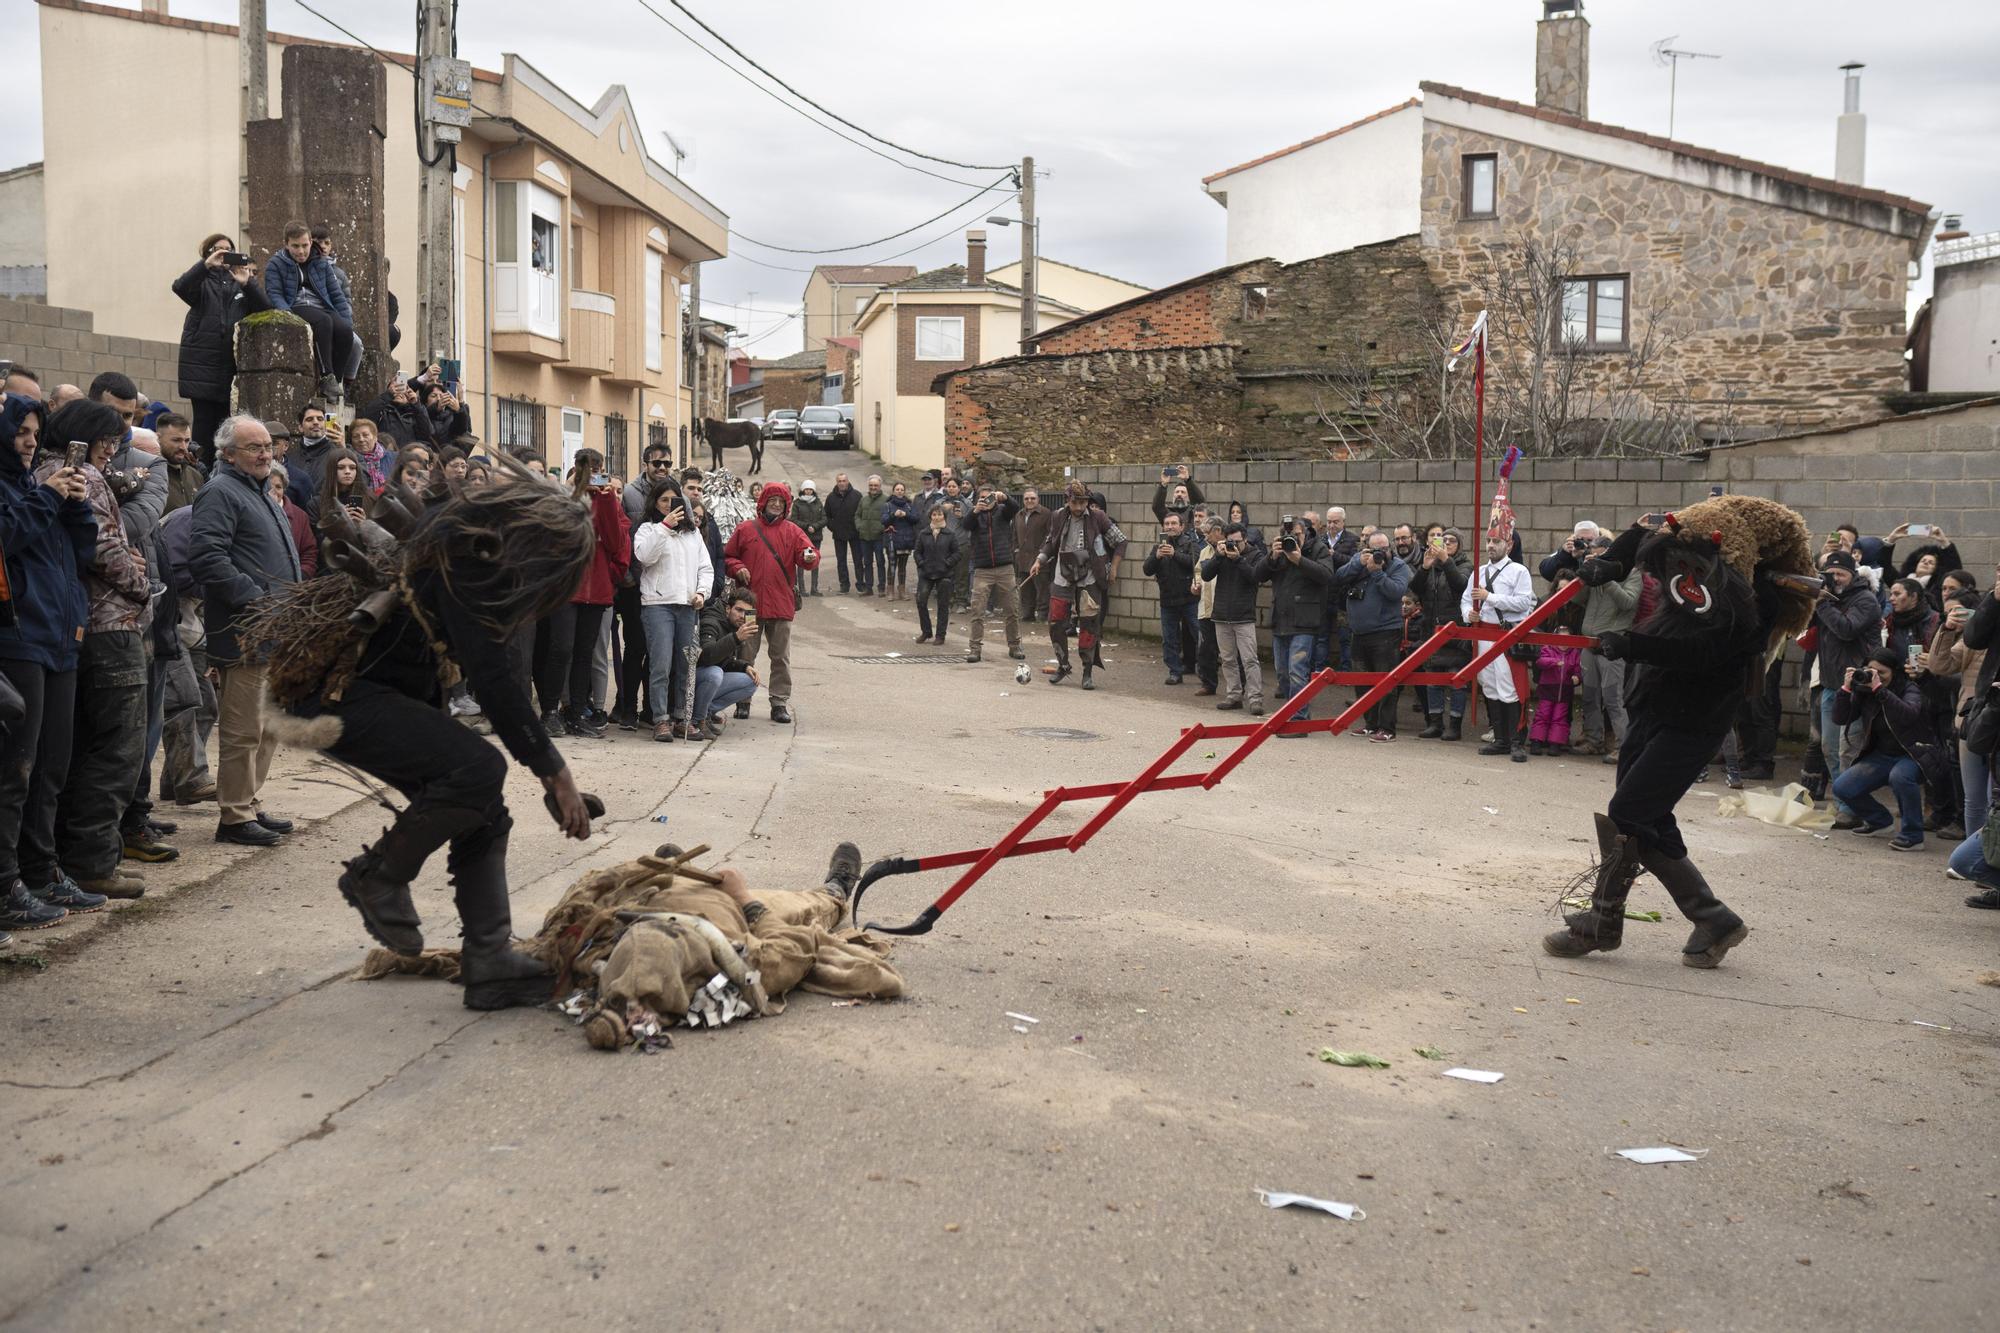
900,659
1056,734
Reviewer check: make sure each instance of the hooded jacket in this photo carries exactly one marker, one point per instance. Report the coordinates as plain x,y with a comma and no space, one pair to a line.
48,543
215,301
285,278
768,552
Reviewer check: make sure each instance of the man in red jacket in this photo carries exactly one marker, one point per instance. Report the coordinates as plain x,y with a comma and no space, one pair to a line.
767,552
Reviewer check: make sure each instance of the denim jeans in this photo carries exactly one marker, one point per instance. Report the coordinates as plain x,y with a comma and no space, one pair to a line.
1434,699
1180,636
1291,655
670,654
1833,740
716,689
1970,862
1977,774
1856,784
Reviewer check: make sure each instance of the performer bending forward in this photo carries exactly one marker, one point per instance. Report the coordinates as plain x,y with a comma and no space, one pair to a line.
484,565
1719,613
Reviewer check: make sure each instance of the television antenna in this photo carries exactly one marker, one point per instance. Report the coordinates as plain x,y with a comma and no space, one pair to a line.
1664,53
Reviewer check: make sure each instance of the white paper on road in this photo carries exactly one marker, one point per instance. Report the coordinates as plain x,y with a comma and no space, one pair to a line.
1021,1018
1346,1212
1654,1156
1475,1075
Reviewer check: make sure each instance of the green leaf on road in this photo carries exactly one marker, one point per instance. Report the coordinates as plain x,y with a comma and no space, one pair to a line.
1352,1059
1430,1052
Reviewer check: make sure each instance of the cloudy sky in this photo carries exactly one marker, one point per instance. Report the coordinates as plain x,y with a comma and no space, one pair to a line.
1127,104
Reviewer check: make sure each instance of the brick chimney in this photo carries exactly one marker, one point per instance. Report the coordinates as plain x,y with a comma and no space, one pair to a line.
158,8
975,257
1562,58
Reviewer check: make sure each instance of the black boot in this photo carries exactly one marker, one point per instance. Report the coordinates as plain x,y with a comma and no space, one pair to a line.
1503,715
1601,926
1516,737
1062,660
1454,727
494,973
377,882
843,872
1717,930
1433,727
1086,677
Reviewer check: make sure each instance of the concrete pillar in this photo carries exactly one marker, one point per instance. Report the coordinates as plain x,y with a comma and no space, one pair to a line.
274,366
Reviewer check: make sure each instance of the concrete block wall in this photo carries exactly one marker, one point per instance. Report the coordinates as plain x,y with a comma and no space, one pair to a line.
62,347
1939,467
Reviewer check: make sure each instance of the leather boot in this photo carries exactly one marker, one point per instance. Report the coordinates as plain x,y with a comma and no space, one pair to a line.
1433,727
843,872
1717,930
1601,926
377,882
1062,660
1454,726
494,973
1503,716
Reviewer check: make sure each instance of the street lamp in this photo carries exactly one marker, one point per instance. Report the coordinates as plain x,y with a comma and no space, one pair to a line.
1030,247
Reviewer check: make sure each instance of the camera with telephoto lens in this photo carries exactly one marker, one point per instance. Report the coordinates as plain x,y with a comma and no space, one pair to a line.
1288,542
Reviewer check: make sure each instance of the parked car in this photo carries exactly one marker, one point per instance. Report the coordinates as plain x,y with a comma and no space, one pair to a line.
824,425
846,411
782,424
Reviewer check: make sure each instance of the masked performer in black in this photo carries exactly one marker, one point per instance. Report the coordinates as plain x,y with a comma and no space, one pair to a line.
1735,580
481,566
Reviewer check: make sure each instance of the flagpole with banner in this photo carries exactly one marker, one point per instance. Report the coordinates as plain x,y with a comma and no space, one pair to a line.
1475,342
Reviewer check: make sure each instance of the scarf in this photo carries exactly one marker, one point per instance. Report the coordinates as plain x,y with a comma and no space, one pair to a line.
372,466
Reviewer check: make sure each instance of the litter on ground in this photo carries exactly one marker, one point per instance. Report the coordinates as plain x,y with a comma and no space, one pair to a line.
1352,1059
1475,1075
1655,1156
1346,1212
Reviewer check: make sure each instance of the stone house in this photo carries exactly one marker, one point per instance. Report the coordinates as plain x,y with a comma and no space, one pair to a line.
1735,297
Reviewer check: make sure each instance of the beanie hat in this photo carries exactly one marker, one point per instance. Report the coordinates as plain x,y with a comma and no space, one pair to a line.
1840,560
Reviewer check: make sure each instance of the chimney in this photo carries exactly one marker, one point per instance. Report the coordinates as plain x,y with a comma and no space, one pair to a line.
1850,142
157,8
975,257
1562,58
1953,228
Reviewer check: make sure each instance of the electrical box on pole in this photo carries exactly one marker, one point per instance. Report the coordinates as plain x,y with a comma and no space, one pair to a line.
447,101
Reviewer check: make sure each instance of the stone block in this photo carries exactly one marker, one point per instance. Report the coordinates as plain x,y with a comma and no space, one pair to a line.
1914,496
81,320
1436,472
1865,467
1596,469
1961,495
1616,497
46,316
1683,471
1522,493
1779,467
1575,493
1981,436
1325,473
1549,469
1362,472
1261,472
1399,469
92,344
1638,469
1803,494
1947,466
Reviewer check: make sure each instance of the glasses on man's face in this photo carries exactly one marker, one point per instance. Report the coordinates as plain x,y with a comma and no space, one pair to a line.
656,462
254,450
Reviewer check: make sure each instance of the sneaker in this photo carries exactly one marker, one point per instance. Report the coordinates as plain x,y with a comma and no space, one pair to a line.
162,828
552,722
1733,780
1173,680
1845,822
1949,873
1952,832
712,729
1861,830
972,655
21,910
624,721
1256,710
249,834
1904,843
1229,705
585,727
65,893
1381,736
663,732
1611,756
1990,900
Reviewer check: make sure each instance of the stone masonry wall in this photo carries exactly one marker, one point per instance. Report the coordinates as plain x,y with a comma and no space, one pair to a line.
1785,319
1938,467
62,347
1045,412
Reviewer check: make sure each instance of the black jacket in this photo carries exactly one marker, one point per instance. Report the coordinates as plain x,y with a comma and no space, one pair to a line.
1849,625
717,637
1893,717
1298,592
1162,491
401,423
1235,585
840,510
937,552
1441,589
989,537
215,301
1174,574
239,548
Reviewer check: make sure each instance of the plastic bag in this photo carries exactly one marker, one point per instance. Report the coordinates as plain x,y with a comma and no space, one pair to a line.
1789,808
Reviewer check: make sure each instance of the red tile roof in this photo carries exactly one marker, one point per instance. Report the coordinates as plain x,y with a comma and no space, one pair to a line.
1321,138
1790,177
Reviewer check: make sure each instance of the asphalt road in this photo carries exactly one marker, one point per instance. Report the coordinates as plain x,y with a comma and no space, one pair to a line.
210,1124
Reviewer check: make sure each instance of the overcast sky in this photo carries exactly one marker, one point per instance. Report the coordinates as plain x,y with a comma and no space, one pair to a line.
1127,105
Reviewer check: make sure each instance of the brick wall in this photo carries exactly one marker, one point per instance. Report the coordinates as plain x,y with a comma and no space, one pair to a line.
61,346
913,377
1939,467
1188,317
846,362
1045,412
790,388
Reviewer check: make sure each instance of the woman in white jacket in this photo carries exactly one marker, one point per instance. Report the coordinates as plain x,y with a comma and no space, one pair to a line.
675,573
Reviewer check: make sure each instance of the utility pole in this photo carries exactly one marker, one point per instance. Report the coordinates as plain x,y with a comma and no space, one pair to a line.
696,384
444,103
254,80
1031,237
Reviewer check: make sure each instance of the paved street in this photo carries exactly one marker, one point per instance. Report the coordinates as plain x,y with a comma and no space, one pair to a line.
210,1124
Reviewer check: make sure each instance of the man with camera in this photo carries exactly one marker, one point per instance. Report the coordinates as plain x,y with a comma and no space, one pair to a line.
1235,567
1849,621
1176,494
1880,700
988,534
1373,583
1299,572
1170,564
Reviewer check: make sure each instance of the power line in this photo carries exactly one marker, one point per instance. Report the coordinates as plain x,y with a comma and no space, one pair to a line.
881,259
741,55
907,166
879,240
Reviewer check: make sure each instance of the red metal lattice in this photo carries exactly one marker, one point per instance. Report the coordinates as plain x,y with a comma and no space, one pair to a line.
1155,778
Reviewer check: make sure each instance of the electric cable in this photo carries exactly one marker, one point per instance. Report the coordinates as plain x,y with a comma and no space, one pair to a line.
883,259
879,240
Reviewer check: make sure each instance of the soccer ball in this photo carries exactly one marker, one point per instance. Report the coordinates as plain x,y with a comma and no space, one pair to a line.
1021,674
